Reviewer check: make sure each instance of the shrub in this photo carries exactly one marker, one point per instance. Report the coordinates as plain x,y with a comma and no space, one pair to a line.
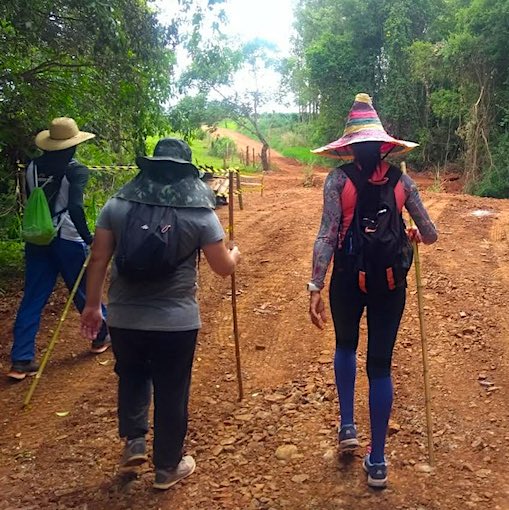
495,181
308,180
222,147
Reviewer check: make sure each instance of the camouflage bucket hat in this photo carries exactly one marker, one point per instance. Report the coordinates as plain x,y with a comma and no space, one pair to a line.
169,149
169,179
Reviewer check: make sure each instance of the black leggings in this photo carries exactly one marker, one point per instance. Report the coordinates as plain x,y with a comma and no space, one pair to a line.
384,313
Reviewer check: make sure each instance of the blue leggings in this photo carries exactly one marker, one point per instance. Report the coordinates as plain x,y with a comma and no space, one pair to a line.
384,313
43,264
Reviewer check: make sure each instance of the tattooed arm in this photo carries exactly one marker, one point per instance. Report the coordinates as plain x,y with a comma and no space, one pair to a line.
327,238
417,211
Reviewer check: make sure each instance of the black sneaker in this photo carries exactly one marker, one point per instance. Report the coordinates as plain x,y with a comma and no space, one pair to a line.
135,453
20,369
99,346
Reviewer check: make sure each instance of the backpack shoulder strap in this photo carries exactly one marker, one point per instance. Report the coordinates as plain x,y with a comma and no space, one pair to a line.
33,177
354,175
393,175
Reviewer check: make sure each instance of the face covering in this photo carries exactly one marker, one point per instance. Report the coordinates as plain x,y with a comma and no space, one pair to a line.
367,155
55,162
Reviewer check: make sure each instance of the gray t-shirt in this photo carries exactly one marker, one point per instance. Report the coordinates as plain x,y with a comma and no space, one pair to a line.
169,304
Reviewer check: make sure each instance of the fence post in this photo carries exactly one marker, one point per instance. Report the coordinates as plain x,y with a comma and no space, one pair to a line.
247,155
21,184
239,190
254,161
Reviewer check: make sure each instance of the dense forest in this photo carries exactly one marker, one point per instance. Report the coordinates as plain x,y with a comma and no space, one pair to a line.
438,71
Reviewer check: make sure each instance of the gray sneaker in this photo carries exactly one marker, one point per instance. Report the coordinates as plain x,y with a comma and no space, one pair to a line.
135,453
166,478
348,438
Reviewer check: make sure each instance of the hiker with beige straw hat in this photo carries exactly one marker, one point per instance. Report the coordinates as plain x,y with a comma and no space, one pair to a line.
63,180
363,229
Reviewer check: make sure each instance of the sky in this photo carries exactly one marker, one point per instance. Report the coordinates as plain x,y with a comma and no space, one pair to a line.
248,19
267,19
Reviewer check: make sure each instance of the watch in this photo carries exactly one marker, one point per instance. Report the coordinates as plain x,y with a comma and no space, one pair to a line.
312,287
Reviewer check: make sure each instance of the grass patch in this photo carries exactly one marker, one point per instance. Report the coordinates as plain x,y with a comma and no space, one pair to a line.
11,261
301,154
201,156
229,124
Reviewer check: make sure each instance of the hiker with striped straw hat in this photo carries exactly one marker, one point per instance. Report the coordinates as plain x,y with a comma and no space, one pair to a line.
363,229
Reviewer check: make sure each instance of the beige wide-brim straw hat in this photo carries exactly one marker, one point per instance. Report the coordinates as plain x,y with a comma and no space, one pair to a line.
63,133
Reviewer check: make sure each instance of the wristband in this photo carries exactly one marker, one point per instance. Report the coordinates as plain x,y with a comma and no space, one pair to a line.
311,287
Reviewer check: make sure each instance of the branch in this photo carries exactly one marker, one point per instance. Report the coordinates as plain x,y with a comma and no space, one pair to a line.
243,116
238,116
47,15
480,97
45,66
487,147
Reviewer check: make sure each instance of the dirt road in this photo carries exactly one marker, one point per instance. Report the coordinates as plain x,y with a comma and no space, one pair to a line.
56,462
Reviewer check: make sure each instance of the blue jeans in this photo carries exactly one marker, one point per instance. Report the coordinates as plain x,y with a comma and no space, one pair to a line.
43,264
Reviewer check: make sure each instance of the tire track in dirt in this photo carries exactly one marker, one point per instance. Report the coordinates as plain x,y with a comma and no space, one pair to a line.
277,255
499,242
464,341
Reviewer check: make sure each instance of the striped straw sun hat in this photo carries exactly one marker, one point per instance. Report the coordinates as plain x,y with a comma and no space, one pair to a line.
363,125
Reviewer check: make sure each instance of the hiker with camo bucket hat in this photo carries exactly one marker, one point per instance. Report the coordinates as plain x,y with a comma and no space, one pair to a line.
153,228
63,180
363,229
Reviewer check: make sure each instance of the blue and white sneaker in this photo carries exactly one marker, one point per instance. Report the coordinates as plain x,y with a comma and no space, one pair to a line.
377,473
348,438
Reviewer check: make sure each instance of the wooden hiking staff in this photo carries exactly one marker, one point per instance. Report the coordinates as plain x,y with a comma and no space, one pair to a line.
56,334
234,285
424,343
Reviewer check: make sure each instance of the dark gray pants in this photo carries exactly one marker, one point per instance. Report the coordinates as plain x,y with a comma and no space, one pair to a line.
162,360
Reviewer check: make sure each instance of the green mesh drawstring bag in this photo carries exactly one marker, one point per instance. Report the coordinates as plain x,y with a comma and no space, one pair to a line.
38,225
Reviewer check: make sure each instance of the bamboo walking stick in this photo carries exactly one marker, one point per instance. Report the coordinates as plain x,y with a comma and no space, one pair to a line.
424,344
234,288
56,334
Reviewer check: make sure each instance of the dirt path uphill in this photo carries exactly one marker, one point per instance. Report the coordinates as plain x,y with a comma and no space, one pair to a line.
49,461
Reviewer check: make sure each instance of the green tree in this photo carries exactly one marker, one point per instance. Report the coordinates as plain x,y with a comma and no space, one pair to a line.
213,70
187,116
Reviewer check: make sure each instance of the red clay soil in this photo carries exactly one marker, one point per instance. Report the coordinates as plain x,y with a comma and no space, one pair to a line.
61,462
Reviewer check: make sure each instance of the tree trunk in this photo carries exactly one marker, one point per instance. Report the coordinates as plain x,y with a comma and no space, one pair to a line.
265,146
264,157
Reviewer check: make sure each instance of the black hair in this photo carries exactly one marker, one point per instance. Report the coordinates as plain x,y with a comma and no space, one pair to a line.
367,155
